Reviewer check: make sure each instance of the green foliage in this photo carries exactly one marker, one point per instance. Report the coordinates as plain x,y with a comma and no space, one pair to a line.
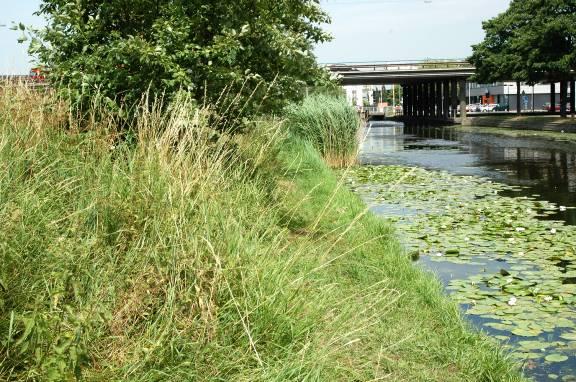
330,124
257,53
186,258
533,40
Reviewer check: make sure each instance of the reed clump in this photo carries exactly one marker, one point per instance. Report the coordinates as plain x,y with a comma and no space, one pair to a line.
330,124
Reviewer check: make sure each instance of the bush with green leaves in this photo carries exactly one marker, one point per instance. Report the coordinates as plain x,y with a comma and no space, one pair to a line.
533,40
256,53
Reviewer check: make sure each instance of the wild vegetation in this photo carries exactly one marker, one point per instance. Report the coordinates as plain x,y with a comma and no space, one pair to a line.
187,256
330,124
119,50
533,41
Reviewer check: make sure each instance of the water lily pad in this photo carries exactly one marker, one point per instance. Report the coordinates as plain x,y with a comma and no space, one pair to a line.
571,336
556,358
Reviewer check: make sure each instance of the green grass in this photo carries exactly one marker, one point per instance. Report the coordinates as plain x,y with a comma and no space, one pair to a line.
521,133
184,258
330,124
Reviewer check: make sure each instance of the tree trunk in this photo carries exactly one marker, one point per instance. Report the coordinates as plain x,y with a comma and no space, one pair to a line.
518,104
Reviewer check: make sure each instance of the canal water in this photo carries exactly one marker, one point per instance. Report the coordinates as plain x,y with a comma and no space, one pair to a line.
539,169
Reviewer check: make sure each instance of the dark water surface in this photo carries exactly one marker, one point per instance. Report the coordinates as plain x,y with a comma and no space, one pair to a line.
545,169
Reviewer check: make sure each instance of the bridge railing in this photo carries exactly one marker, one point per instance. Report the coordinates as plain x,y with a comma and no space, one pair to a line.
399,65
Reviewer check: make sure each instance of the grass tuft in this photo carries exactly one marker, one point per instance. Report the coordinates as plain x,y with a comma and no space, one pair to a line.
330,124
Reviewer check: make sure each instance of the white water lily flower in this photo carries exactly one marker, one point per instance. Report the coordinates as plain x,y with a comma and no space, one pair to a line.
521,253
520,229
529,210
553,231
512,301
439,254
548,298
466,239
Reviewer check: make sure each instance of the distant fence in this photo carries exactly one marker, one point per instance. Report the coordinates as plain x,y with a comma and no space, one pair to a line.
387,111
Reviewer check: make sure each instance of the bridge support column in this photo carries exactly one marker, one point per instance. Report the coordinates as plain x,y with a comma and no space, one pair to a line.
412,100
423,100
453,97
462,97
415,105
572,97
552,97
434,90
404,99
446,100
438,99
419,93
431,100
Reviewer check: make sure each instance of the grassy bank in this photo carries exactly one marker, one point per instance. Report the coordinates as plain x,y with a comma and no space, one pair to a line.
555,136
185,257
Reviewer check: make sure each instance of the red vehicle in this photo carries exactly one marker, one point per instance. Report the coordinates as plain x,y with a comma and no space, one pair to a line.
37,75
548,107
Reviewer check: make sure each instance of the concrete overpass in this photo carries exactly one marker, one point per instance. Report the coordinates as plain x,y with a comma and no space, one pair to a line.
432,89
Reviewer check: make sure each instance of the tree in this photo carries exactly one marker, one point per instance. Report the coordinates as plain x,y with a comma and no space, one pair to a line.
533,40
258,50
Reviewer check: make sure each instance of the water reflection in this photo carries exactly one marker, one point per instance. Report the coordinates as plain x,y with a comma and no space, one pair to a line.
546,168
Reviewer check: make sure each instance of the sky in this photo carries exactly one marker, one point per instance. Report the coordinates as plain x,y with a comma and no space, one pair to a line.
391,30
363,30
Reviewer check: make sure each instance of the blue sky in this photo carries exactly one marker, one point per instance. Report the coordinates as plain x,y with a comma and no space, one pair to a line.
13,56
388,30
363,30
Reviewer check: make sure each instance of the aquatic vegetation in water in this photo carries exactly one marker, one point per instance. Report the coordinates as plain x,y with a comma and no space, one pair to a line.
523,285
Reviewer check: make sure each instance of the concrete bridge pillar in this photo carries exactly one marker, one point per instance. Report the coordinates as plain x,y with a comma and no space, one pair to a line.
462,97
413,101
422,100
572,97
425,99
454,97
404,103
446,100
431,100
438,99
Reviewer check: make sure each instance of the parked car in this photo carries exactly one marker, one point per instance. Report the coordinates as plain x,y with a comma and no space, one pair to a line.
500,107
473,108
487,108
548,107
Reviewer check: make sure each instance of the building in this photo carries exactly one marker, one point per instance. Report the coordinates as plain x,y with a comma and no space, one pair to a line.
504,93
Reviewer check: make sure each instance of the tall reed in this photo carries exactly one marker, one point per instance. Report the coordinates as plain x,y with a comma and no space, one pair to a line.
330,124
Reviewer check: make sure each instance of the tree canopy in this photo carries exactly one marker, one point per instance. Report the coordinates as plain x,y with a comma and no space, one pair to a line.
258,49
533,40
